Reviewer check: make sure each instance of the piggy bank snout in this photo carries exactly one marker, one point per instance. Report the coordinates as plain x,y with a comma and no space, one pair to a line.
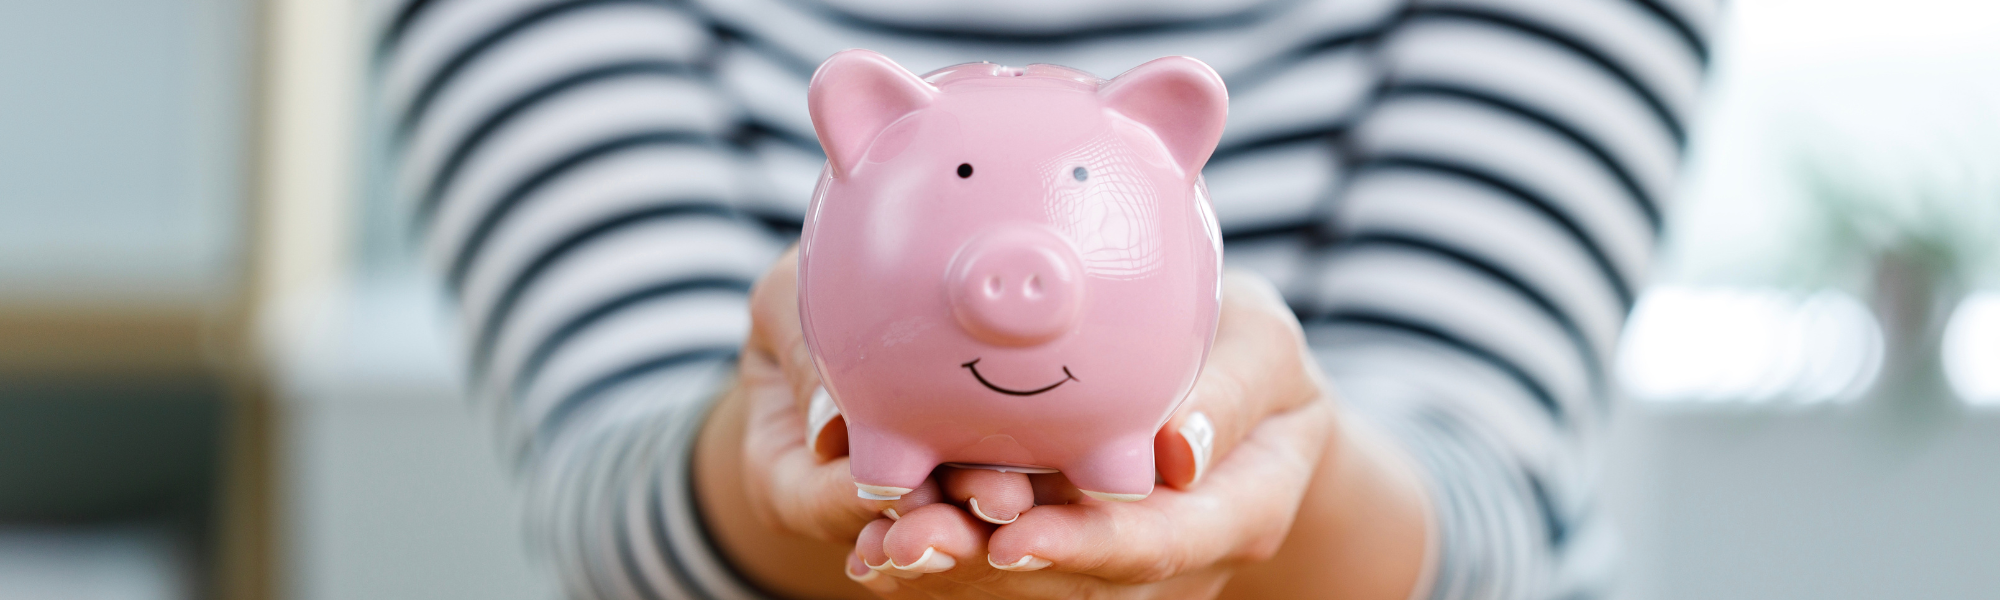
1016,287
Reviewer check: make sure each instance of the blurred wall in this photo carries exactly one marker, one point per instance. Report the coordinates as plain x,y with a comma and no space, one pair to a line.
1836,131
1894,497
122,202
121,171
391,487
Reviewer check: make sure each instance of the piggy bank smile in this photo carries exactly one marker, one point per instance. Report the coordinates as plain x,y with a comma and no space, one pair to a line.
980,235
974,367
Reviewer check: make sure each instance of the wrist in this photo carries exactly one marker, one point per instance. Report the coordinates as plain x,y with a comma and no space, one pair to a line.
774,561
1399,512
1362,532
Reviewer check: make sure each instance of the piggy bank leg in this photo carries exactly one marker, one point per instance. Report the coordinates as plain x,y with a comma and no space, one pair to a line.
886,465
1119,471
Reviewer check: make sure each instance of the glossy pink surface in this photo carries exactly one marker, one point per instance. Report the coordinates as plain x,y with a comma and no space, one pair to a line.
1050,308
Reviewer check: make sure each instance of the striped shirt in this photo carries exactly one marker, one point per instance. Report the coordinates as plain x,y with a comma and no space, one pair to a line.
1458,198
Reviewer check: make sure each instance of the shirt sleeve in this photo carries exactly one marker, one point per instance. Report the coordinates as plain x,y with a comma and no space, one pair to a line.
574,173
1503,202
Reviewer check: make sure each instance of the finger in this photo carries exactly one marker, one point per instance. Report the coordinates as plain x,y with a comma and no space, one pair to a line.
936,539
879,583
1258,365
1241,515
942,550
869,547
777,343
796,490
989,495
874,581
917,543
869,544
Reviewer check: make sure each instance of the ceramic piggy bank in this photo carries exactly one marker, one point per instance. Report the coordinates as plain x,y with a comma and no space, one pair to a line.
1013,268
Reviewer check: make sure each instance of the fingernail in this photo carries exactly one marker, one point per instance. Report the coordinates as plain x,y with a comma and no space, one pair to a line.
866,574
859,571
891,513
1200,435
888,567
983,517
818,413
879,492
1028,562
931,562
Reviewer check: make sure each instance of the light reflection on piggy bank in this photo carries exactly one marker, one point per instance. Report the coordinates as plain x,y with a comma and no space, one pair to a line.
1011,268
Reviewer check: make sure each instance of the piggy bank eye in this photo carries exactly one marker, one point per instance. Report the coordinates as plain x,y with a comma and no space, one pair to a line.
964,170
1080,173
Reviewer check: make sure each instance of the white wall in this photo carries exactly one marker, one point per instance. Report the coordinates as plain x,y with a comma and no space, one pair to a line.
1891,498
393,486
120,150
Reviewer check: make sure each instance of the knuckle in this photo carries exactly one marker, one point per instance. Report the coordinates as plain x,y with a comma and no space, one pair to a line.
1159,567
1263,543
810,518
1258,293
1262,548
774,289
765,291
789,521
1277,322
1226,391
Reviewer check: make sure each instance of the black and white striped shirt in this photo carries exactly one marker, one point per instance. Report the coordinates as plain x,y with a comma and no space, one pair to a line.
1458,197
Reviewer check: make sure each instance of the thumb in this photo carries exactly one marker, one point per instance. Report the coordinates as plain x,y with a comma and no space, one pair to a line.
777,335
1258,367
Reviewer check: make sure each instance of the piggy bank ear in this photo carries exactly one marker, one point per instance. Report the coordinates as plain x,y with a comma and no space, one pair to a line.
854,96
1180,99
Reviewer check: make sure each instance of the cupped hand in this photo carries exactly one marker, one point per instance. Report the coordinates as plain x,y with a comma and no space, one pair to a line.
1262,413
778,500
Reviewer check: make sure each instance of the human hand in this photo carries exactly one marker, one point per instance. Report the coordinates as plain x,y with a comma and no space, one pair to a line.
781,502
1287,483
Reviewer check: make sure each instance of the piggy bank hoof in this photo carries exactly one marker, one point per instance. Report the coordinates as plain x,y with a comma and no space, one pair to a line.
1110,497
879,492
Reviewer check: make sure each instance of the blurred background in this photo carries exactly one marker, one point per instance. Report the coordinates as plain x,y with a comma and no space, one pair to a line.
222,377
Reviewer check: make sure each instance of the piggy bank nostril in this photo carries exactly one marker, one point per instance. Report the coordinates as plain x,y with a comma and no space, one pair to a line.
994,287
1032,289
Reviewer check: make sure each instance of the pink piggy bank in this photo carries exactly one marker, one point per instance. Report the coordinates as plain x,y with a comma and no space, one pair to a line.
1010,268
